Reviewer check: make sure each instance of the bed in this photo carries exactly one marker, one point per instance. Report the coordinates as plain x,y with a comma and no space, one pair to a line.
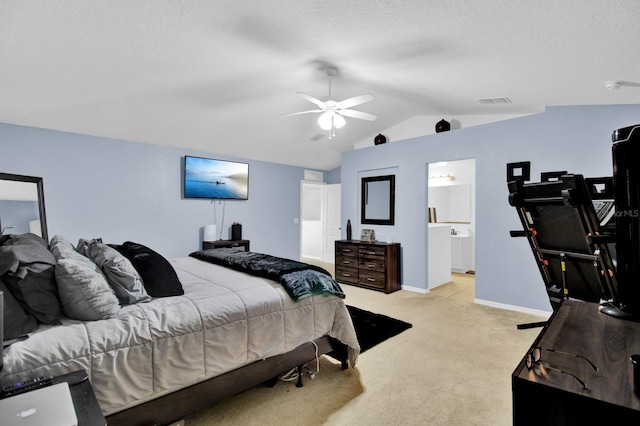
161,358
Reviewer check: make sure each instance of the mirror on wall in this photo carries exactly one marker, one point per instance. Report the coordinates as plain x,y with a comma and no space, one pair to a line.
378,200
22,205
451,203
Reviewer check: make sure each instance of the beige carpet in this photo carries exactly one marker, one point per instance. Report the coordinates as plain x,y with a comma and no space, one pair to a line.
452,368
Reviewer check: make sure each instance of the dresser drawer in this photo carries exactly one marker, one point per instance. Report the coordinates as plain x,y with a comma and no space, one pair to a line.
371,263
372,279
350,250
346,261
365,250
346,275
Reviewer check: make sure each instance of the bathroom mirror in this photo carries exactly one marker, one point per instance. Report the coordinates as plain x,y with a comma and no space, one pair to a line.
22,205
377,205
452,203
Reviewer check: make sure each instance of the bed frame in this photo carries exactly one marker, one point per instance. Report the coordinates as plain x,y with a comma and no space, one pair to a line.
175,406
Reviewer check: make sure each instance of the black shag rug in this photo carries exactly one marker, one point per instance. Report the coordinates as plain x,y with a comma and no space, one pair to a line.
373,329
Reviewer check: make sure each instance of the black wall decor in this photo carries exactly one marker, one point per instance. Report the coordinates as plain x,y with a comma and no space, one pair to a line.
380,139
443,126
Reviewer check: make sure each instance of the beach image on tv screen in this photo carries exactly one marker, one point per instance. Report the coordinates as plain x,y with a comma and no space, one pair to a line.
207,178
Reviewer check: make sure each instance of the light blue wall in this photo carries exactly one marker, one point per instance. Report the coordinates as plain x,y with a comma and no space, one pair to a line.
575,139
121,191
332,176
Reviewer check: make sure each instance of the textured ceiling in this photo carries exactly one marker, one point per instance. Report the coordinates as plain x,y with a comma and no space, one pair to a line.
216,75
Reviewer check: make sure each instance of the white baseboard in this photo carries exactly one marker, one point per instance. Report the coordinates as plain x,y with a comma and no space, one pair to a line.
537,312
415,289
540,313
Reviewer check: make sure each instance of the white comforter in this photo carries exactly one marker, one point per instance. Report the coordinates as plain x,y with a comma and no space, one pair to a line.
225,320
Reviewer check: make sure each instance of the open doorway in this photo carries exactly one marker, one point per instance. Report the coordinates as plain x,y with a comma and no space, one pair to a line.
320,223
451,228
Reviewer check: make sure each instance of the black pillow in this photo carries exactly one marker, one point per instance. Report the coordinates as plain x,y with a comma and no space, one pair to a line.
27,268
17,323
158,276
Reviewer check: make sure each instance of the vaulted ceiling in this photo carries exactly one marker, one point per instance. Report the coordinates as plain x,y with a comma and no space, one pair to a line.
216,76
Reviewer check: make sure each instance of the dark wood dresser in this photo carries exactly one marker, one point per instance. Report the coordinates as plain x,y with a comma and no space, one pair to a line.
373,265
549,395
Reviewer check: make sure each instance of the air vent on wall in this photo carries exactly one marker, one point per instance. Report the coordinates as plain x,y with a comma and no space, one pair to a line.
504,100
313,176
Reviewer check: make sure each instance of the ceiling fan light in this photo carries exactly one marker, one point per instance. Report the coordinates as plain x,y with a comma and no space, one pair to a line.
325,121
338,121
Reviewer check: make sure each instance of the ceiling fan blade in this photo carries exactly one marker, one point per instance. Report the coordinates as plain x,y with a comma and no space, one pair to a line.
302,112
357,114
348,103
313,100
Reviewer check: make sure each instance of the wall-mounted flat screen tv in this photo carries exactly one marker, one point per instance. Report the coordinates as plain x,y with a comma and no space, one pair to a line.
215,179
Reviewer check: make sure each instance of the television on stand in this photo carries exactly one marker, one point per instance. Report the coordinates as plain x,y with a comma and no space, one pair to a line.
215,179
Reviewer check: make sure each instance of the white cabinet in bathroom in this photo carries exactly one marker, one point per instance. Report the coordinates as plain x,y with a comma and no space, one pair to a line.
461,253
439,254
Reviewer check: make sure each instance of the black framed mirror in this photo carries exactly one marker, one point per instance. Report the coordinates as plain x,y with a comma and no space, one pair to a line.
22,205
377,203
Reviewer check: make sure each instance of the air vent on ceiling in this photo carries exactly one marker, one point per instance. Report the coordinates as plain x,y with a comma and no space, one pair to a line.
504,100
313,176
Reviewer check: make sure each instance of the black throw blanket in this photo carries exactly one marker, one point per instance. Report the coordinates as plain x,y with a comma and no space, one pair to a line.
298,279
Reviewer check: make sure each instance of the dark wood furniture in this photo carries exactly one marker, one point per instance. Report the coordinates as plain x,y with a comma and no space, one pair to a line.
88,410
225,244
177,405
373,265
542,396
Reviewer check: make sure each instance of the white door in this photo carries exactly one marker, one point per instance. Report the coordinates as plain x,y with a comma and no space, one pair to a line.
331,221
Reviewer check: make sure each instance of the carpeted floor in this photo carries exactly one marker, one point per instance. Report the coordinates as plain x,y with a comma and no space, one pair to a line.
453,367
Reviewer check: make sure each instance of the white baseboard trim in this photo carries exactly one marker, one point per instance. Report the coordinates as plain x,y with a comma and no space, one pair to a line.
537,312
438,285
415,289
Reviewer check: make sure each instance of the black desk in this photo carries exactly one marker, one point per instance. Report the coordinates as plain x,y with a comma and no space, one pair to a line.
548,397
87,408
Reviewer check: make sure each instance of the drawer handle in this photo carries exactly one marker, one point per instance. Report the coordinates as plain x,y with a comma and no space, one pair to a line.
371,265
371,252
373,280
346,262
346,250
344,274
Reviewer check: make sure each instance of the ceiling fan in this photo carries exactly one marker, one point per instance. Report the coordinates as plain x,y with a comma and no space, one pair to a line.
333,112
615,84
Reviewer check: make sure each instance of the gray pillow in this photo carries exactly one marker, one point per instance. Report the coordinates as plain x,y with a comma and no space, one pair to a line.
84,291
61,247
120,273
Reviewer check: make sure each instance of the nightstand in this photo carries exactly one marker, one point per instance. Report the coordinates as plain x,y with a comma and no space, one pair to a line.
225,244
88,412
87,408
